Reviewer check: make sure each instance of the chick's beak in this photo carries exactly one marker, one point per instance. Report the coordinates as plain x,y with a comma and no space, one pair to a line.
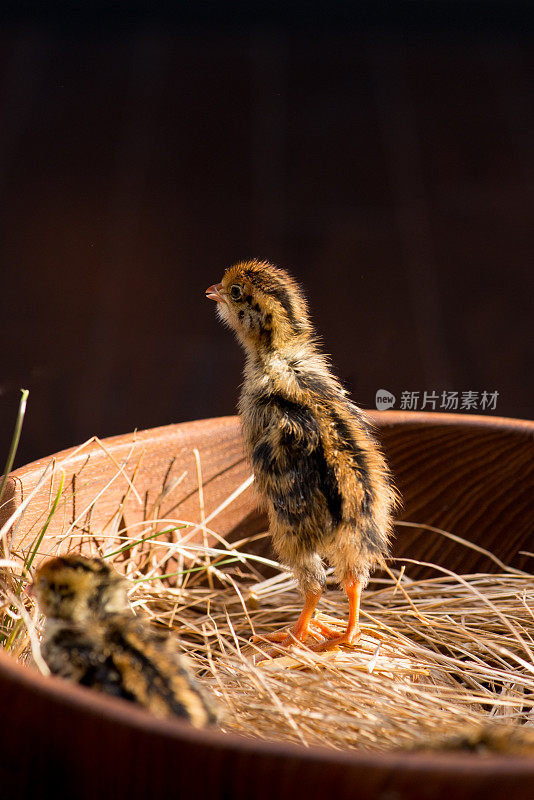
214,293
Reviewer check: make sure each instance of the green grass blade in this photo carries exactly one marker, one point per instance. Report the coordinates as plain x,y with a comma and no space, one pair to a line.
129,545
185,571
37,544
29,561
14,440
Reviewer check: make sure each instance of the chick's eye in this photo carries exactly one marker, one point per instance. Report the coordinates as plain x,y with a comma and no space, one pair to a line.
236,292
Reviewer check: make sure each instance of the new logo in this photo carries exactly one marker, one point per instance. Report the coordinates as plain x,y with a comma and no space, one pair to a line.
384,399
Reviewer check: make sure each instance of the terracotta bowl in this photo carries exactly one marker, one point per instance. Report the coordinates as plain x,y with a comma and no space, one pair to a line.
470,475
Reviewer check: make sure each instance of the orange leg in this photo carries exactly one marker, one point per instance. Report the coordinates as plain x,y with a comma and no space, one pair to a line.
300,630
353,591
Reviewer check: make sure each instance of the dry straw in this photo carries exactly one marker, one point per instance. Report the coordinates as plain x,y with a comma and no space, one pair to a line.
436,655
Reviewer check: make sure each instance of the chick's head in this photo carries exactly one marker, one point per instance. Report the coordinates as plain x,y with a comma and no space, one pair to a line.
262,304
75,588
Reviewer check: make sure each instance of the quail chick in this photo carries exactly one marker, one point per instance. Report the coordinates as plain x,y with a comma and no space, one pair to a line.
92,637
316,464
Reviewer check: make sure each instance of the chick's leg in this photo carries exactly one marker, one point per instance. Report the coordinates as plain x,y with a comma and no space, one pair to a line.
300,630
353,590
309,572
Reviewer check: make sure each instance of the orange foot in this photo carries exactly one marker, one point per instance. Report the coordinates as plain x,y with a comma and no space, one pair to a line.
286,637
349,638
326,638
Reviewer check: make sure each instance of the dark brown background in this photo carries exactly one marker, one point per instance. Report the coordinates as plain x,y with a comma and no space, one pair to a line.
386,158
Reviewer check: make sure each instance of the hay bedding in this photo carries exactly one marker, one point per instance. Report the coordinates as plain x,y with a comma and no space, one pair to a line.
436,656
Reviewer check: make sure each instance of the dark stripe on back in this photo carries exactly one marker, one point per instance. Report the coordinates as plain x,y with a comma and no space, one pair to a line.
296,413
156,682
309,473
349,444
263,458
317,385
106,678
329,486
312,382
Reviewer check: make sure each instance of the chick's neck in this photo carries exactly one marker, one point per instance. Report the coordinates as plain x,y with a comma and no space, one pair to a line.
274,367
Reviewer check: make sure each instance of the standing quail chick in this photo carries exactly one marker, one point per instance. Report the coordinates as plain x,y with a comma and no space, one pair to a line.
92,637
316,464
